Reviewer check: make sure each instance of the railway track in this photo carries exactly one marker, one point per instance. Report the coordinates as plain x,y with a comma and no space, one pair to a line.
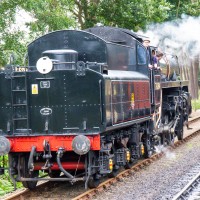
195,195
93,192
193,181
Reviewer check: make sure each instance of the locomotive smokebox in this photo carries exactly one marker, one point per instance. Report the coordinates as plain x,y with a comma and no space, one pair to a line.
62,59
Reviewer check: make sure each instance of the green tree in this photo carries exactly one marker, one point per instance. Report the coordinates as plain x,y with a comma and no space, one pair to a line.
188,7
131,14
9,41
50,15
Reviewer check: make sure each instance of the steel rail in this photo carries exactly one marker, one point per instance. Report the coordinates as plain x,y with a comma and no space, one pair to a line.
186,189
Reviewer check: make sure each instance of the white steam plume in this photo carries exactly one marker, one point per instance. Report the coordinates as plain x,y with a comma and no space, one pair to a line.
181,35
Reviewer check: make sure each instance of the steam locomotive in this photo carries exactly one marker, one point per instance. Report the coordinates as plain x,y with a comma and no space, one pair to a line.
87,104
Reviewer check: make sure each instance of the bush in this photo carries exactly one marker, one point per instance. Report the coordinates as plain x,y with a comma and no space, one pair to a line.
6,184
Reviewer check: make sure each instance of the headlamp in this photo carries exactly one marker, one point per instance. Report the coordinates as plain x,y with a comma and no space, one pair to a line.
81,144
44,65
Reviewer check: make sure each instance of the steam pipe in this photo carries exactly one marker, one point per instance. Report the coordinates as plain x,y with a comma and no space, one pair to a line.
30,160
59,155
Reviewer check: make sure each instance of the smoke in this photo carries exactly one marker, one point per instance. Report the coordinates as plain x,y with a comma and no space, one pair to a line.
178,36
167,152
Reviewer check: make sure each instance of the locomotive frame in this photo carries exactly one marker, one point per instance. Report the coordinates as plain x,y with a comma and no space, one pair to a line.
86,105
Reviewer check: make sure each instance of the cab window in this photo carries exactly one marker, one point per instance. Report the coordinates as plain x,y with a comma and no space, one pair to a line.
141,55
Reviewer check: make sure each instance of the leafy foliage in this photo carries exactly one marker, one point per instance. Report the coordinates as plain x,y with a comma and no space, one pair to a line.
12,45
50,15
188,7
47,16
5,184
133,14
5,181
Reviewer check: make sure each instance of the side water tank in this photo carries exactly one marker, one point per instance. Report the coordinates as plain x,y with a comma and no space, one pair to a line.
62,58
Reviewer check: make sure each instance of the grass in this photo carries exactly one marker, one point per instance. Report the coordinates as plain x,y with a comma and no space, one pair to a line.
196,103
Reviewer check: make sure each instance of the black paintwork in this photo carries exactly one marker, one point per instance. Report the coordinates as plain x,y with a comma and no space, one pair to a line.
90,48
80,98
115,35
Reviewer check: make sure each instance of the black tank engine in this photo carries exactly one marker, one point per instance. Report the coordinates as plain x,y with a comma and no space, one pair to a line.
87,104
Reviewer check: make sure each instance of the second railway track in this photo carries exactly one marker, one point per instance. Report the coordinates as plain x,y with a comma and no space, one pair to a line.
187,184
